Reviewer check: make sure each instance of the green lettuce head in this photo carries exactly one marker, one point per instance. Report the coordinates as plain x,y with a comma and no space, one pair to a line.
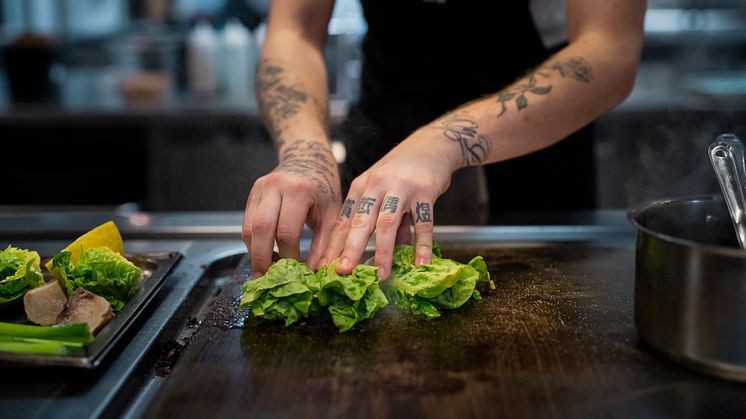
101,271
441,284
350,298
285,292
19,272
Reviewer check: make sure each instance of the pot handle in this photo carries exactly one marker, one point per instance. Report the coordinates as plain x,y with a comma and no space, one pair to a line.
727,157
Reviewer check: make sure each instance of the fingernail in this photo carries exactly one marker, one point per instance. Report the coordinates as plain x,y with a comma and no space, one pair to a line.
344,263
381,272
420,261
321,263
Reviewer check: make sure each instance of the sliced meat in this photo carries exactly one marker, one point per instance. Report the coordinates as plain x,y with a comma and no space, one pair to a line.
43,304
84,306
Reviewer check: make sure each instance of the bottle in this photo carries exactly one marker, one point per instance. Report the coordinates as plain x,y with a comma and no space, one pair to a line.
238,55
202,61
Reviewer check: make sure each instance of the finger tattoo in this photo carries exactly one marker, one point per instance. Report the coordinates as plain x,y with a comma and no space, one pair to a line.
347,207
366,203
423,213
390,204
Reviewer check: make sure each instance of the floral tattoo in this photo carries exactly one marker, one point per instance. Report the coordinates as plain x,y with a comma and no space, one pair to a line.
575,68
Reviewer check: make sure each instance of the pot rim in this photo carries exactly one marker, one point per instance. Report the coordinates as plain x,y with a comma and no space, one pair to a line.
634,213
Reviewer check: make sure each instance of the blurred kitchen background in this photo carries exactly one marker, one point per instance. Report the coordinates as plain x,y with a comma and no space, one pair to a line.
149,104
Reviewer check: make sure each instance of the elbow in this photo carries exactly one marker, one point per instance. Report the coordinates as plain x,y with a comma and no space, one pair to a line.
625,64
623,81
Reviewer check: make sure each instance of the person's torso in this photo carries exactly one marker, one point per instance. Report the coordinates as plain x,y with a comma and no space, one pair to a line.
441,53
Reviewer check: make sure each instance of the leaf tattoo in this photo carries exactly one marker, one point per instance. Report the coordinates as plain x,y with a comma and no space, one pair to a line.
575,68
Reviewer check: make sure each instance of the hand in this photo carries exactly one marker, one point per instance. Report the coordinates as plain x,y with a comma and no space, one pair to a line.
405,182
304,187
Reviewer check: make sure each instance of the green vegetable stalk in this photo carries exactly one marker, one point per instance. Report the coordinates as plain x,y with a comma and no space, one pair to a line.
350,298
103,272
47,340
19,272
441,284
285,292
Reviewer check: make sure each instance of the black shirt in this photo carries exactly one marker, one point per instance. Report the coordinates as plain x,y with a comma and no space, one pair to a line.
423,58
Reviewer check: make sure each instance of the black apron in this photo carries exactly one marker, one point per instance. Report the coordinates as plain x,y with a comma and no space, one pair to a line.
422,58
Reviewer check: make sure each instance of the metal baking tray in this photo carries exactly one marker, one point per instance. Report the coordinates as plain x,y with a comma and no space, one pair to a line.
155,267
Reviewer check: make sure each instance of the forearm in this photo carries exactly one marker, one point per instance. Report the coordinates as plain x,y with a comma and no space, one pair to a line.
562,95
291,90
293,102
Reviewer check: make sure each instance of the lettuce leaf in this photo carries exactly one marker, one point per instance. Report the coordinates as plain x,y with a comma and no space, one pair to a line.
101,271
20,271
285,292
350,298
441,284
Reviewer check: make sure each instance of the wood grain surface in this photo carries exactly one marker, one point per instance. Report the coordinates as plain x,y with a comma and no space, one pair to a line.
555,339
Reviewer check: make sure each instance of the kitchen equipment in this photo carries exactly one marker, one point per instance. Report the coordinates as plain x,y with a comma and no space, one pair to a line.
690,284
726,155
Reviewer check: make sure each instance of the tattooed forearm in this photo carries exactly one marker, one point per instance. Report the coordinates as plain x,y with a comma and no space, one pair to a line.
460,128
280,96
536,82
312,160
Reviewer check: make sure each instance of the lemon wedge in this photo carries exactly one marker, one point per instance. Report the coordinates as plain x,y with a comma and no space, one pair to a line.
105,235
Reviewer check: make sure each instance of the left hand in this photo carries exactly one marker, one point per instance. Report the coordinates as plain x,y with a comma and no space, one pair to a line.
407,180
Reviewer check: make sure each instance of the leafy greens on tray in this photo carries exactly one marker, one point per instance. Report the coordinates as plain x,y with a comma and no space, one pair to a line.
102,271
20,270
88,279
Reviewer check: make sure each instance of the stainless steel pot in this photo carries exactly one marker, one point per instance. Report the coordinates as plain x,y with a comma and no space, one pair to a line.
690,284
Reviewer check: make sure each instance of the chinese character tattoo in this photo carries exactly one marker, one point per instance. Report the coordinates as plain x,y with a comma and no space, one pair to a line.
366,203
390,204
423,214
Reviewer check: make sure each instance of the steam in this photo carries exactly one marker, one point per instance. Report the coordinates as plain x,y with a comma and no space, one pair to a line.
672,159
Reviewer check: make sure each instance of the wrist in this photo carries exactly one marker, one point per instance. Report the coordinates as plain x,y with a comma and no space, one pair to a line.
457,139
313,147
313,160
460,133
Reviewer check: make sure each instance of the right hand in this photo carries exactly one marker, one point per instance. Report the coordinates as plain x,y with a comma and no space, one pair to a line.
303,188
